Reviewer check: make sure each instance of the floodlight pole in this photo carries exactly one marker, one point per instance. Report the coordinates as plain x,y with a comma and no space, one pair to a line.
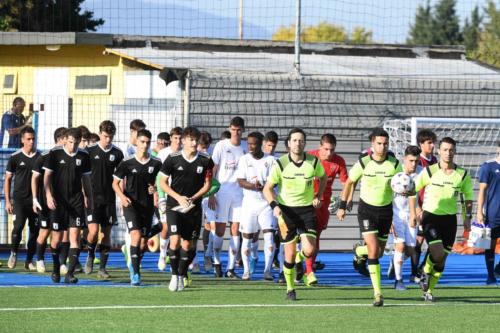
241,20
297,38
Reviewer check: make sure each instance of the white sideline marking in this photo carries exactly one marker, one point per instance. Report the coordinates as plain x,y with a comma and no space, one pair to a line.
204,306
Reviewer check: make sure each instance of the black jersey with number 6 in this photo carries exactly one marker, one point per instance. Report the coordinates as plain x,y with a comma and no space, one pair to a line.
138,177
104,163
67,172
20,165
187,177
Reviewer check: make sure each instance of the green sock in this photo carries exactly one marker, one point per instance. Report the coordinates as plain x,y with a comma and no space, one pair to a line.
289,277
429,266
433,280
299,257
375,277
362,251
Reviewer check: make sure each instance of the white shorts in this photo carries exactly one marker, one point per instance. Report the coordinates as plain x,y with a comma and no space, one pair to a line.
208,213
256,216
228,207
403,233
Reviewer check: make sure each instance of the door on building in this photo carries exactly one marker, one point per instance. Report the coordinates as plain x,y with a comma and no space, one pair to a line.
51,94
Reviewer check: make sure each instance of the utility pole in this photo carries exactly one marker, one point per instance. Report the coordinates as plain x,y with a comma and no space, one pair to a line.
241,20
297,38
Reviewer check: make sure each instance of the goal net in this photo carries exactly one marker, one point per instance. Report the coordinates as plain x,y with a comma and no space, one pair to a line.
477,138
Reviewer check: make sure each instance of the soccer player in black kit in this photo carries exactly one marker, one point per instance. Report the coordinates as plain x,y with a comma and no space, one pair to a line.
19,167
190,174
139,173
104,159
67,168
39,202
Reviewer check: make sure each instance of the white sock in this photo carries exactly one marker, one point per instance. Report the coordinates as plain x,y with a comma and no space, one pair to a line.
234,244
210,245
163,247
245,251
255,249
398,264
128,240
268,251
217,246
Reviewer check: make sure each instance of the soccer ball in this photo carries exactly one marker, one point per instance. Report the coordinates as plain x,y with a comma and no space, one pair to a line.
402,183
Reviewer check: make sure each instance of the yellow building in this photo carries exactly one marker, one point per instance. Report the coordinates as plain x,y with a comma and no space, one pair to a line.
71,79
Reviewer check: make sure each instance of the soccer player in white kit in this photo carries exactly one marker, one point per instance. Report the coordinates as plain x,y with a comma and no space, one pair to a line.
227,202
404,224
256,214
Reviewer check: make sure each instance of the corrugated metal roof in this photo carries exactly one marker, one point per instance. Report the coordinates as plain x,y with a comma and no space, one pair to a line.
313,64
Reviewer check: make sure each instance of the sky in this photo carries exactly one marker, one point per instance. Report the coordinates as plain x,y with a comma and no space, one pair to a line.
389,20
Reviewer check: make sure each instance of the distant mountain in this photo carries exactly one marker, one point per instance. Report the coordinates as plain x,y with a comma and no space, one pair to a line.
147,18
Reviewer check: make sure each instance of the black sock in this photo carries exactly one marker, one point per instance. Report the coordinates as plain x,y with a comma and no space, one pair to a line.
489,257
55,259
415,259
422,264
33,235
183,262
206,239
174,260
73,259
135,257
91,249
40,250
63,253
104,251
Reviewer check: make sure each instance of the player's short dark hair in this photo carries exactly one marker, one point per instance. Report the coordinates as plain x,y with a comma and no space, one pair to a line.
379,131
225,135
163,136
95,137
74,132
84,131
413,151
271,136
144,132
18,100
293,131
328,138
237,122
107,126
137,125
191,132
60,133
449,140
205,139
426,134
257,135
27,129
176,131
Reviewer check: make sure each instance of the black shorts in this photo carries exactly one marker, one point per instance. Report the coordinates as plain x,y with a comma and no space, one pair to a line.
440,229
44,219
23,212
66,216
104,214
296,221
375,219
138,218
186,225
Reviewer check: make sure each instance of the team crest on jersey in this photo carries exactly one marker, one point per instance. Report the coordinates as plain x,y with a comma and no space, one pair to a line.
111,158
151,169
78,162
199,169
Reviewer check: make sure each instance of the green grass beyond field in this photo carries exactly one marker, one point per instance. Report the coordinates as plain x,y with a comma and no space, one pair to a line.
233,306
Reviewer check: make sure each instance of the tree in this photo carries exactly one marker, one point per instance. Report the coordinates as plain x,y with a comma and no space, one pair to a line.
488,50
323,32
472,30
421,31
46,15
445,24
